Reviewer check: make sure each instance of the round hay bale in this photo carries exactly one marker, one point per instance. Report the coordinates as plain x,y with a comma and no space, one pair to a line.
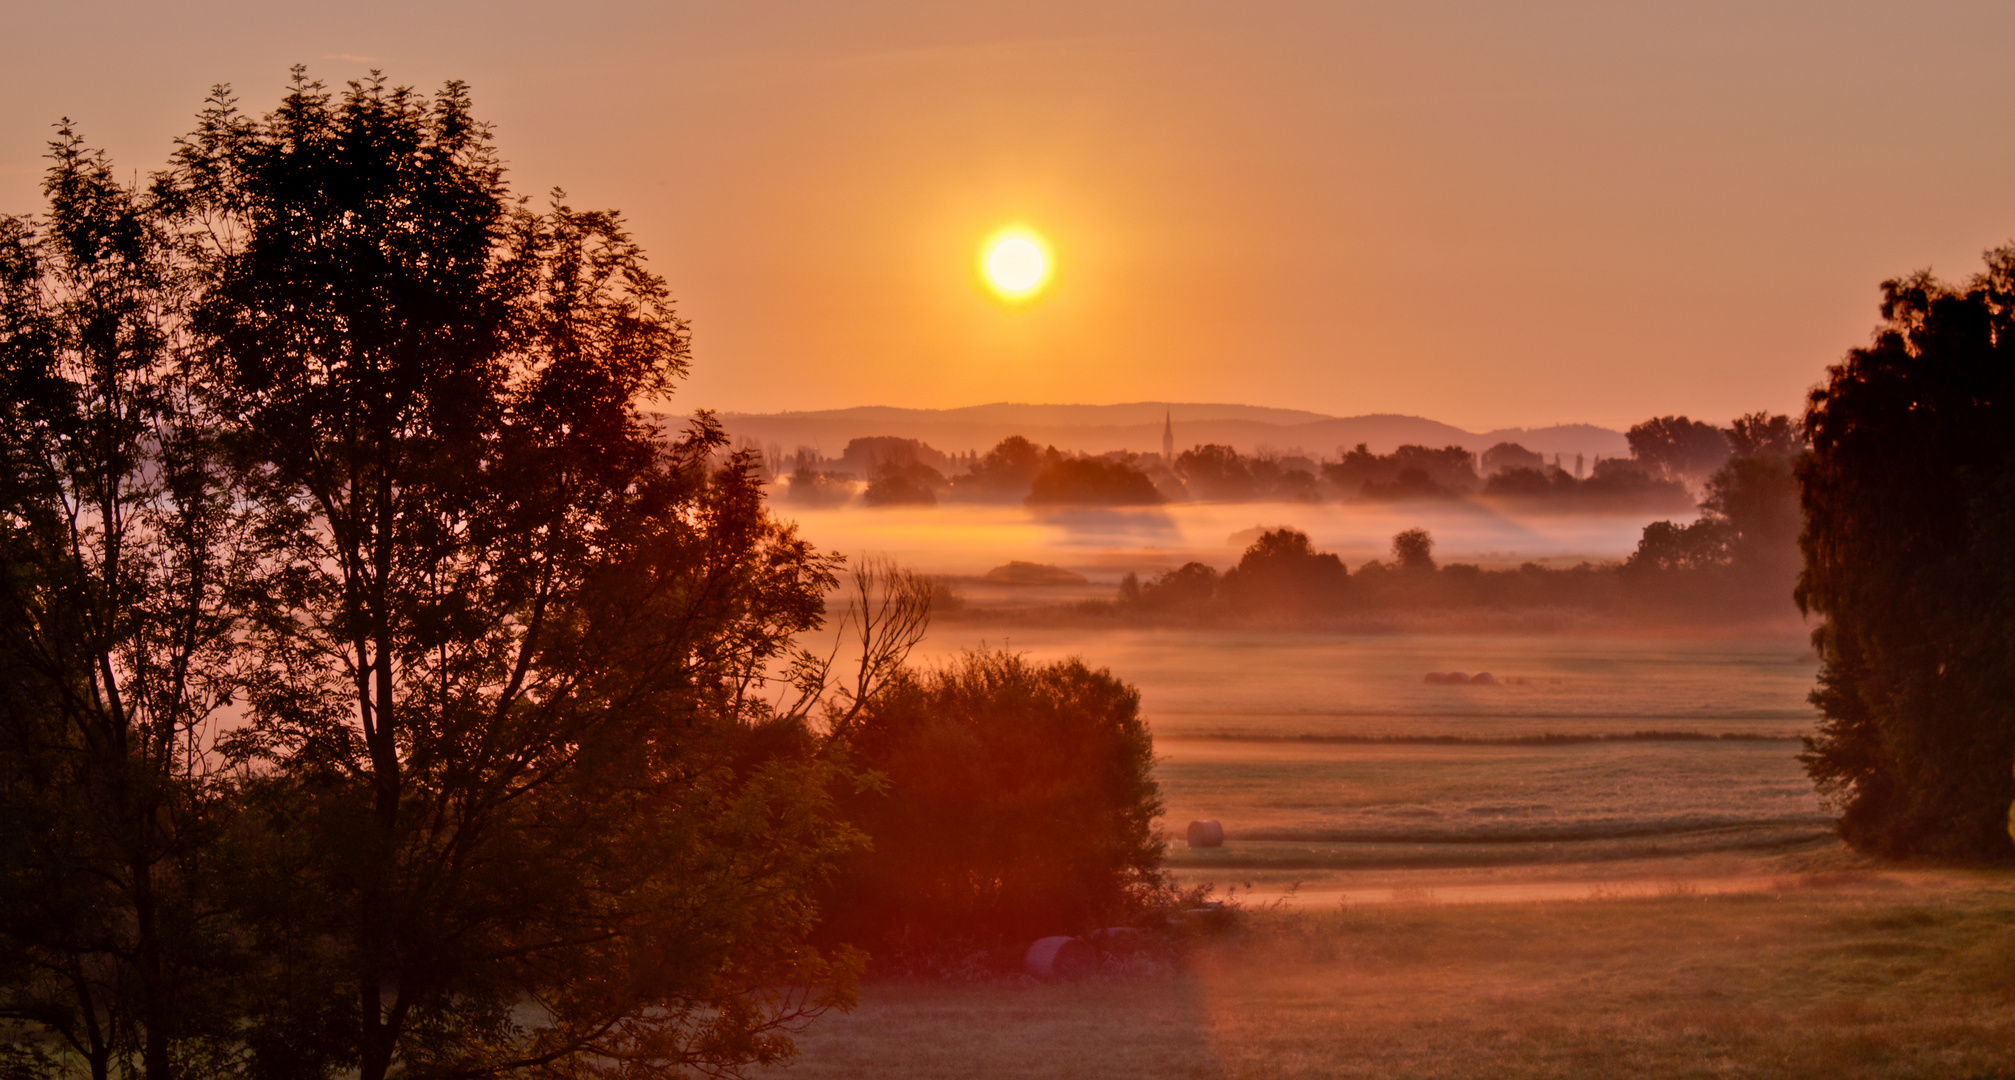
1457,678
1059,957
1435,677
1482,678
1205,834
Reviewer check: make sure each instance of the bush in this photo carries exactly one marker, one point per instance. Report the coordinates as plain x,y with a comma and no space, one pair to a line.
1192,584
1282,571
1016,801
1093,482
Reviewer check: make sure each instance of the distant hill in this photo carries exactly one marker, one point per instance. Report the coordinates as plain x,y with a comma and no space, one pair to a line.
1137,426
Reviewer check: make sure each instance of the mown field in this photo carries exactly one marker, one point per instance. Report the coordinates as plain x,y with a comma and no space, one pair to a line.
1840,974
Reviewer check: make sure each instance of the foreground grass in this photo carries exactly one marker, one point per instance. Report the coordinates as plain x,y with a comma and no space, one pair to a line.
1866,978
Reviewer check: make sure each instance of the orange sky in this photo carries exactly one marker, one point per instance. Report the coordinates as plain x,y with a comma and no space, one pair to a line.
1490,213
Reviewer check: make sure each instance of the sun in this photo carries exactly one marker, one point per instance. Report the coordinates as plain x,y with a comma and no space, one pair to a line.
1015,262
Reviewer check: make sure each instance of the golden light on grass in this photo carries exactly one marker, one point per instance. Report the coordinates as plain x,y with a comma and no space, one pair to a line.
1015,262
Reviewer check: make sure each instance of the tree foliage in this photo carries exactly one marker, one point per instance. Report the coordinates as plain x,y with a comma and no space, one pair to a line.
1679,448
1282,571
1017,801
1092,482
527,775
914,484
1740,556
116,641
1909,502
1005,472
1408,472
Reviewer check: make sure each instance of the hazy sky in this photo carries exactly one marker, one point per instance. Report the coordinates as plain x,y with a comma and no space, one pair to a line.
1487,212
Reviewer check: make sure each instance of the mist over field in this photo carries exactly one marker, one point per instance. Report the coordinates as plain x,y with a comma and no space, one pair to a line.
1105,542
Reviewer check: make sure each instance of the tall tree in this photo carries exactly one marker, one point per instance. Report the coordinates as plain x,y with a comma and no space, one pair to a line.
115,637
1742,551
527,806
1679,448
1909,500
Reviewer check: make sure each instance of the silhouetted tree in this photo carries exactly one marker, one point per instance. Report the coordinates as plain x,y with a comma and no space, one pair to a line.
1354,467
1408,472
1678,448
1520,482
1909,499
1092,482
1756,492
1510,455
1019,801
1625,483
1413,550
871,455
1188,585
1702,545
1129,588
1409,483
116,641
913,484
1742,552
1214,471
522,806
1282,571
809,487
1761,433
1005,472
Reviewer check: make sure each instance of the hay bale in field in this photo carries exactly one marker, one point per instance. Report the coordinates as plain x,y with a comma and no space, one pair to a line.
1482,678
1204,834
1059,957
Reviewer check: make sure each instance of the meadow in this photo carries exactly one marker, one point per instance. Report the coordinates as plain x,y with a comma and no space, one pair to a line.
1334,765
1606,861
1830,975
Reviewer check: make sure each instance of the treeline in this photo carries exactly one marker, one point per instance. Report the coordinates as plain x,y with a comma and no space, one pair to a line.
1738,558
381,692
901,472
1670,458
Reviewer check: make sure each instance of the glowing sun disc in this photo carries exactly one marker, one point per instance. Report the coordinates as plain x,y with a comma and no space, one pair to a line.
1016,264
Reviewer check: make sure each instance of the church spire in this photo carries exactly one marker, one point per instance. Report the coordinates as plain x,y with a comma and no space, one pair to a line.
1167,438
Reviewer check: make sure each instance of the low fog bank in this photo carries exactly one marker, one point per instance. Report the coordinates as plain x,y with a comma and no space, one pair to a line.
1103,544
1698,524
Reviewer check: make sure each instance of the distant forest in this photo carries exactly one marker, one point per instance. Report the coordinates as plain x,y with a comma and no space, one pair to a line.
1671,459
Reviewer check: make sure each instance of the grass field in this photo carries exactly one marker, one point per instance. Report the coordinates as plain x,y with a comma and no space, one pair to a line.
1439,890
1851,974
1282,738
